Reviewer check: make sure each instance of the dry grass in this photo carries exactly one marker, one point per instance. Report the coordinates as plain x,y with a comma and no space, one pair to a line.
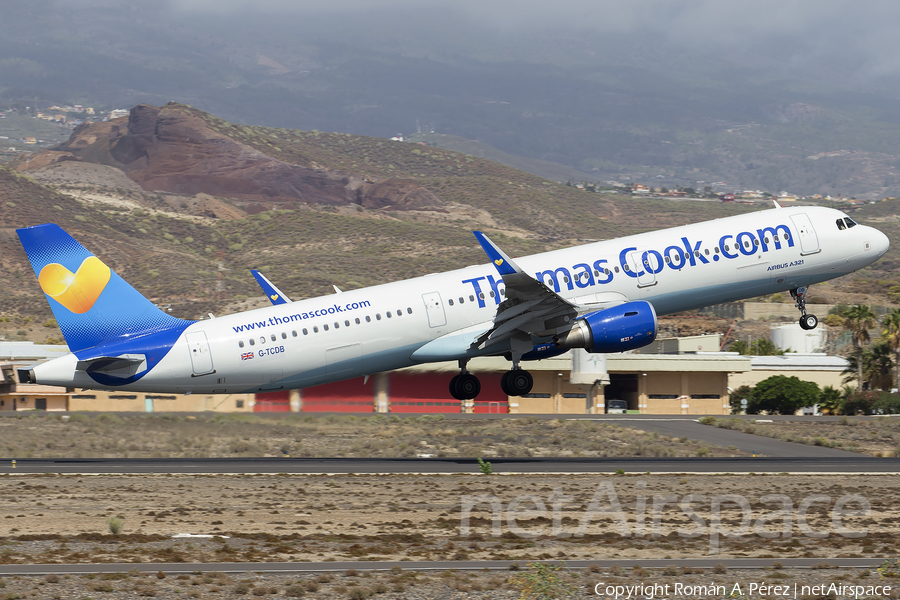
318,518
92,435
873,437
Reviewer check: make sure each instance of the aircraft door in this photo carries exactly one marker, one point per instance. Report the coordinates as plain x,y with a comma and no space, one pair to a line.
271,380
201,359
434,308
645,269
344,361
809,241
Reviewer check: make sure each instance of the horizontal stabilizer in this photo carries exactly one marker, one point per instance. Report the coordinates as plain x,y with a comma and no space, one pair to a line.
122,366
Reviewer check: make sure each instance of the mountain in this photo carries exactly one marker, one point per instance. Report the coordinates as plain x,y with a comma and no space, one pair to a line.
175,200
694,106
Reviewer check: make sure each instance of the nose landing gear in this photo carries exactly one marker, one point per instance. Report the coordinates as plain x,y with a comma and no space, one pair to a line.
807,321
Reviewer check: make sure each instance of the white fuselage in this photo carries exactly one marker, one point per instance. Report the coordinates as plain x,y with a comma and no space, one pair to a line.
394,325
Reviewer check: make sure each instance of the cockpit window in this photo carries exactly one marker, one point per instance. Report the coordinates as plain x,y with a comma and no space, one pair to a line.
850,222
840,224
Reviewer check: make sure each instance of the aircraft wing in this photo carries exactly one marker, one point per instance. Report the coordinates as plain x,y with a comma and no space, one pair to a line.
530,307
275,295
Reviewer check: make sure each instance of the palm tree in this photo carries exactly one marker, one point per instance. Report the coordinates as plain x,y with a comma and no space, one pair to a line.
859,319
891,334
876,367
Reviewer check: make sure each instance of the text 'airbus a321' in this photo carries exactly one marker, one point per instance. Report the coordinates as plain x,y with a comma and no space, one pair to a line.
603,297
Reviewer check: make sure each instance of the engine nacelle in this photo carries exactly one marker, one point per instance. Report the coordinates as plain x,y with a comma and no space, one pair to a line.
616,329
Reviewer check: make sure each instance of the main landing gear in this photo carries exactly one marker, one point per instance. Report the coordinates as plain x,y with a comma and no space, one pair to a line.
806,321
517,382
466,386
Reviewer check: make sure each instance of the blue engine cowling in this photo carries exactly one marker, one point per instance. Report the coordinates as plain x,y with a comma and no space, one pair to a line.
616,329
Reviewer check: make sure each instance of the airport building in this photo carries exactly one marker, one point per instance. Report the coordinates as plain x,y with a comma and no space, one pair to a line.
672,376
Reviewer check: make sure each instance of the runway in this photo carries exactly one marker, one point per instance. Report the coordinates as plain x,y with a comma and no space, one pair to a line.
853,464
464,565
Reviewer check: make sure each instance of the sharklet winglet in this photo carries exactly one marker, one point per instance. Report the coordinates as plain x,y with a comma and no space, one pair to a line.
503,263
274,295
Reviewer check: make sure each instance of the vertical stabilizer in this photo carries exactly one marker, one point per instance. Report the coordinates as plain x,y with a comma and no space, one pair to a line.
91,303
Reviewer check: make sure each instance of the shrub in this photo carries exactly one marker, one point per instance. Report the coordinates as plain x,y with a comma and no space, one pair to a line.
115,525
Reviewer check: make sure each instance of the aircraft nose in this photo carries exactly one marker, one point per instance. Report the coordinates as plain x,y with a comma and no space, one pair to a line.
880,242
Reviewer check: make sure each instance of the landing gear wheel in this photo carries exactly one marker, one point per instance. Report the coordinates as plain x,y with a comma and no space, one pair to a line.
516,382
467,386
504,384
452,386
809,322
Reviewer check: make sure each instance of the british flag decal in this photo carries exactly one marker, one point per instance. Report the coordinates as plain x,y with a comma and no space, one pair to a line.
246,356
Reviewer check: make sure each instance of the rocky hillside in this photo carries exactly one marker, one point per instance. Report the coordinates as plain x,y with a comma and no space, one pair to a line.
183,204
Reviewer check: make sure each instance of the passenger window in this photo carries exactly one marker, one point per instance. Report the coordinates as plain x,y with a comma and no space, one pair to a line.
357,320
626,268
252,342
241,344
377,316
766,240
471,298
450,301
368,319
389,315
305,331
399,313
337,325
492,293
262,340
273,337
756,242
409,311
565,279
617,269
325,327
315,329
462,300
716,249
347,323
707,251
606,271
294,332
667,260
283,335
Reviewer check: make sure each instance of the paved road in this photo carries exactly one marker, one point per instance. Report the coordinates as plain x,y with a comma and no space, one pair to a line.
853,464
471,565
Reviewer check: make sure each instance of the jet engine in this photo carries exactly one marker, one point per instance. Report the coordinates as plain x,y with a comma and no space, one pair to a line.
616,329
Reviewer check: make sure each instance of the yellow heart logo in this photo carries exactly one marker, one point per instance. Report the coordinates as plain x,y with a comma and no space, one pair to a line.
498,262
77,291
274,296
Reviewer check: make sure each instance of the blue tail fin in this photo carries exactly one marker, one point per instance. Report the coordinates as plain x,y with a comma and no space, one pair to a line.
91,303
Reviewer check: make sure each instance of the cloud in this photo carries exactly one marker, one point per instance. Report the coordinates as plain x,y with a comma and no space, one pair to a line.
796,33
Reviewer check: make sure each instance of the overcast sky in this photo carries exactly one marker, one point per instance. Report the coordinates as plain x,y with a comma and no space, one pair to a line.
798,31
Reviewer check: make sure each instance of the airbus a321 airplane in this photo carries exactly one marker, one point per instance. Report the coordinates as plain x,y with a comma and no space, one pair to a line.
604,297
